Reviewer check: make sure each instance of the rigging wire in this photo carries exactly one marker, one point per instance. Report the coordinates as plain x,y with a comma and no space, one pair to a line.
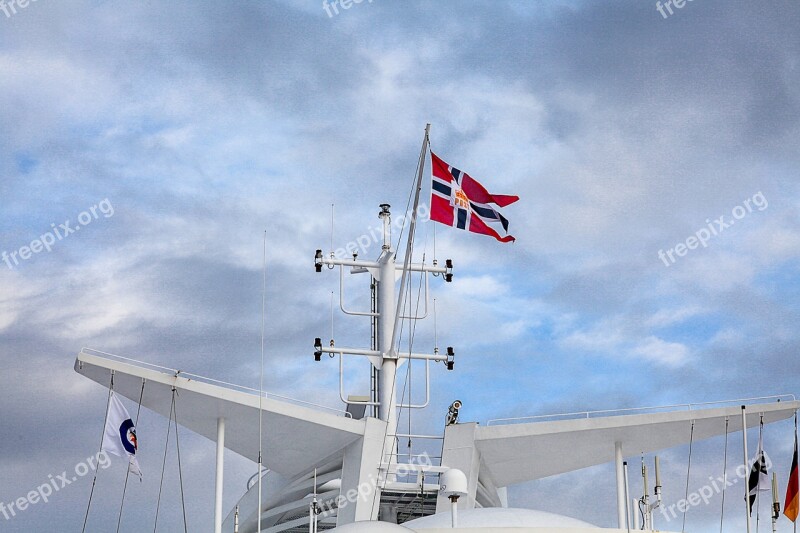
688,471
413,319
404,280
180,468
404,312
420,163
724,475
405,218
164,462
412,335
94,480
641,511
128,472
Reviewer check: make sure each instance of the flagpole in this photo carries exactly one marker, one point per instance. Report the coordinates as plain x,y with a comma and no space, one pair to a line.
795,451
746,463
409,246
759,460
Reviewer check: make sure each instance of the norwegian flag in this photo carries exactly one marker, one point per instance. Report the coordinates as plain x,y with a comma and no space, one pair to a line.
459,201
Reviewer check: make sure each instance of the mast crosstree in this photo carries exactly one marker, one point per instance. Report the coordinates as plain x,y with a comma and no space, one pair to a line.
387,357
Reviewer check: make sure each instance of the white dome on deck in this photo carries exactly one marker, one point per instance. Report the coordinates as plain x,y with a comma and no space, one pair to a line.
498,517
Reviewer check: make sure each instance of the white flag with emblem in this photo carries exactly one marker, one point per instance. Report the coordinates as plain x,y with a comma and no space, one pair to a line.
120,434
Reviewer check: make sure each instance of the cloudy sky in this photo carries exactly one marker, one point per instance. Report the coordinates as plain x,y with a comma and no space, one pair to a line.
175,133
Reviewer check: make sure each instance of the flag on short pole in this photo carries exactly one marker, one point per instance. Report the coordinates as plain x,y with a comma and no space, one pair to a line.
792,504
460,201
759,477
120,435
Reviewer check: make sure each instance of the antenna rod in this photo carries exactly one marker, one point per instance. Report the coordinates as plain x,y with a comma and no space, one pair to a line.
746,464
332,212
261,381
409,245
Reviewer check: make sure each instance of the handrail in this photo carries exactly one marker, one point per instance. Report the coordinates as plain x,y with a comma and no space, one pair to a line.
589,414
414,436
197,377
251,481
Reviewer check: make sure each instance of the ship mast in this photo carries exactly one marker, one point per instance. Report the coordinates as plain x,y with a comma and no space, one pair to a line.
386,358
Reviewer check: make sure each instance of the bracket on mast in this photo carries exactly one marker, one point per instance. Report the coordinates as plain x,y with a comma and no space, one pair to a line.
386,314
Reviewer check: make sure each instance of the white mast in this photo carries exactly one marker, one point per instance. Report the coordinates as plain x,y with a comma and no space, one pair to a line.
388,313
387,396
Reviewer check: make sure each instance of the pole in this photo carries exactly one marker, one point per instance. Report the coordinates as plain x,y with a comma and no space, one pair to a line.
412,227
648,513
746,463
620,485
657,490
387,408
776,506
627,498
390,315
454,511
220,474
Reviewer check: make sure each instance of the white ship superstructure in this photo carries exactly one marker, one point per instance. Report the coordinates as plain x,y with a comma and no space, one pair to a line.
330,469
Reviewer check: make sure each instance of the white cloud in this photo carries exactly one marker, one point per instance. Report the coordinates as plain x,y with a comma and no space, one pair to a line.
662,352
621,337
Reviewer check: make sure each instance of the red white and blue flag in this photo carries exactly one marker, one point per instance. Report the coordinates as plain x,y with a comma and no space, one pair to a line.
459,201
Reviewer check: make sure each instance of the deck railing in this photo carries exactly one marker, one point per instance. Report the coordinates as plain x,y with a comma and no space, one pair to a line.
639,410
211,381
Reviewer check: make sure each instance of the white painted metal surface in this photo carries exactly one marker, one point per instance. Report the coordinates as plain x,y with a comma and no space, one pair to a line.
620,475
356,459
569,445
219,479
201,404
